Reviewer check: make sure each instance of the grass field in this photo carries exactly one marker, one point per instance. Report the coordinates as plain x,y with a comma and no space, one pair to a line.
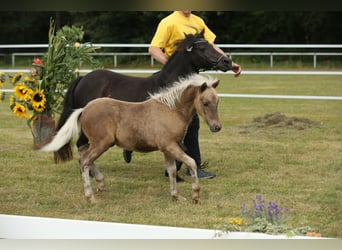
298,169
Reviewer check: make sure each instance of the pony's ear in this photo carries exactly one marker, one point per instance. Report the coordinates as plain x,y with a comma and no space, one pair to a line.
215,84
204,86
189,47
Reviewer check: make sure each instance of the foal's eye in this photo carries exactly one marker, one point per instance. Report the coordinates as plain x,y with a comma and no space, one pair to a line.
205,104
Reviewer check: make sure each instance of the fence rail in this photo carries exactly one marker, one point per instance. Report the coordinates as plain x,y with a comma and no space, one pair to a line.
293,97
271,54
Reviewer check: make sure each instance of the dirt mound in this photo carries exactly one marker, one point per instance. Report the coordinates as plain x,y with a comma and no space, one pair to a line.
279,120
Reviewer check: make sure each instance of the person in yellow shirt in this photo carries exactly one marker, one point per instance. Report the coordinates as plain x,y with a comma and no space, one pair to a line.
171,29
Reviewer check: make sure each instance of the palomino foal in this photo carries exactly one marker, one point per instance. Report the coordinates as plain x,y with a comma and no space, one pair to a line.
159,123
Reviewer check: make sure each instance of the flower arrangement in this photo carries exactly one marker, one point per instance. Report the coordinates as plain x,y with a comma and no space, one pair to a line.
263,217
42,92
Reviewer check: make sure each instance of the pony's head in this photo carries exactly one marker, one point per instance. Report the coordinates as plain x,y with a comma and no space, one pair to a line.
198,89
206,104
204,56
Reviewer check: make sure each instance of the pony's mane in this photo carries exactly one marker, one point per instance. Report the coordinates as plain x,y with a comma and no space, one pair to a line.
170,95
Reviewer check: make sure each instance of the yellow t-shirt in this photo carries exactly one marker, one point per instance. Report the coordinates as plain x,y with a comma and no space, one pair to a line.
173,27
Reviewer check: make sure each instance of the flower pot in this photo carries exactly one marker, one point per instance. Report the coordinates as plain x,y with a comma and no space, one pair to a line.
43,130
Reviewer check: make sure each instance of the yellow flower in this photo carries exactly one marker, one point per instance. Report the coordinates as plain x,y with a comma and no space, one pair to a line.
20,111
235,221
17,77
38,100
29,79
77,44
22,92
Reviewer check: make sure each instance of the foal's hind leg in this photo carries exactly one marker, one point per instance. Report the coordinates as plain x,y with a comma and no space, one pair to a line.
98,177
94,171
88,155
85,168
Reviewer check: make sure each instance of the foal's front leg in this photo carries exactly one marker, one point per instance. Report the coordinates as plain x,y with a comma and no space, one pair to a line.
175,152
187,160
172,171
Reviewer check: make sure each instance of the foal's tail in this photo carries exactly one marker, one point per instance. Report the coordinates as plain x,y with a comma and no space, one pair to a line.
69,130
65,152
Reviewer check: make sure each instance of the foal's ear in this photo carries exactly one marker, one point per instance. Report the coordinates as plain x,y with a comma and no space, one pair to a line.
215,84
204,86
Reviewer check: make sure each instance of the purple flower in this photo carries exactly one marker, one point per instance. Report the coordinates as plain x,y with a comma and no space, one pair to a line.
243,208
273,213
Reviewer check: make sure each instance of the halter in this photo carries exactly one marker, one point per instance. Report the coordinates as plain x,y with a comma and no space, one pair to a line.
189,49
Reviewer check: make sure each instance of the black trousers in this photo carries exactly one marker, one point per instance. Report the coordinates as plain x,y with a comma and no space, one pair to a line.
191,140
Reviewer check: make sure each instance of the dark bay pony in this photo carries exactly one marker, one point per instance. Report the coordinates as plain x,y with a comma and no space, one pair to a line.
193,54
158,123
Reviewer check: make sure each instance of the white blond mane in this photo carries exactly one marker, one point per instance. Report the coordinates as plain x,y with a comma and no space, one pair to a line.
170,95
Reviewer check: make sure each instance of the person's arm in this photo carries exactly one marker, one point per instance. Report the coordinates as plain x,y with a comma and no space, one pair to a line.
236,68
158,54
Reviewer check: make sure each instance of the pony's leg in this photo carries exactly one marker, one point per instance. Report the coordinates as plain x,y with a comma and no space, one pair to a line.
94,171
177,153
187,160
85,167
172,171
98,177
88,154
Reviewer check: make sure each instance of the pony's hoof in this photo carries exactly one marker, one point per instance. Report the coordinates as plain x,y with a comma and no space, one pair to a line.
195,201
92,200
180,198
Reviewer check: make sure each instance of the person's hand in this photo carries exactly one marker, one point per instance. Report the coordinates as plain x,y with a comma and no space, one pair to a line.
236,68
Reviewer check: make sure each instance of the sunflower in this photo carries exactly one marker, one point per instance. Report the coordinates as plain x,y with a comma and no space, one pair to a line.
30,80
17,77
20,111
38,100
22,92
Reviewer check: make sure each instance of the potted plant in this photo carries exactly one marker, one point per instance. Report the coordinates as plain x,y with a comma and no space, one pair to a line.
38,97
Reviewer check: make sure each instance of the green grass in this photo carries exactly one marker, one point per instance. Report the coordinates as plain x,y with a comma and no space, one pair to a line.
298,169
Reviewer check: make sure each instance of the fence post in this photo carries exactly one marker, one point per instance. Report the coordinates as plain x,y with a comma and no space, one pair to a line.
271,60
13,60
314,60
152,61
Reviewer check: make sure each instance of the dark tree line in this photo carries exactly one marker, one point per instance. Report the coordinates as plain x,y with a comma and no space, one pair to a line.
139,27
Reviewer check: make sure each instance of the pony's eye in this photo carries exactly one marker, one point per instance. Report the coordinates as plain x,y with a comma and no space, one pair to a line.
205,104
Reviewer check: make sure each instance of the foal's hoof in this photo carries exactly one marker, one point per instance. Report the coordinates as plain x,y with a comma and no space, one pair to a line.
195,201
92,200
179,198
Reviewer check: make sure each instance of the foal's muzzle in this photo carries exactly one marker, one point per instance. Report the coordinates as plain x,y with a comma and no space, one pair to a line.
215,127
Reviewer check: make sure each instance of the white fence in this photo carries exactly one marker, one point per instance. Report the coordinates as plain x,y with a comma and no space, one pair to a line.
250,72
270,53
